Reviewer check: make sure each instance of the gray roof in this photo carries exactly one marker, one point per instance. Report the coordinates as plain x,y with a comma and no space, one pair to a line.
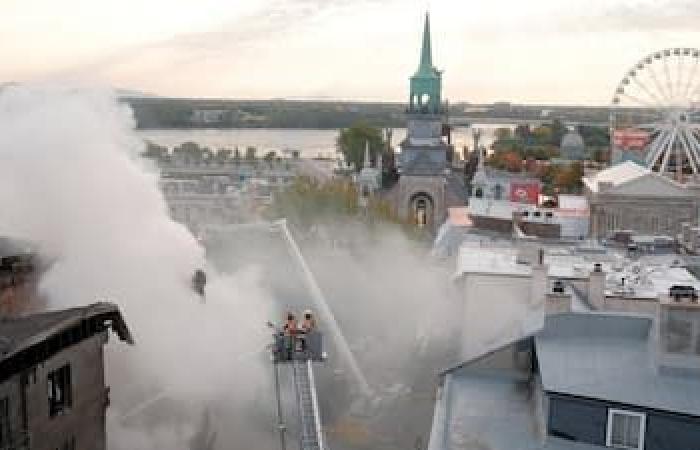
19,333
610,357
490,411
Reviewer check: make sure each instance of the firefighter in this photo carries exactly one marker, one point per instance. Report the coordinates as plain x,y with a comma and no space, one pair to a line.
290,326
307,327
309,323
290,330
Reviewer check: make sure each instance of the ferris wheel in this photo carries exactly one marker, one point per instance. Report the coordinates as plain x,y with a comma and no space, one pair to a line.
655,113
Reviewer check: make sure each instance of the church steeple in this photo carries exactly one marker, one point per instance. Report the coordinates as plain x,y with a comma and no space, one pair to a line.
426,54
426,83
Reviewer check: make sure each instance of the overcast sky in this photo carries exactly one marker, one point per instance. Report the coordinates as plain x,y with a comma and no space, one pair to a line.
537,51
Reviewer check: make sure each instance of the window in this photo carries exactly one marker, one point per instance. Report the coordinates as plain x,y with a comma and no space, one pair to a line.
5,440
60,391
625,429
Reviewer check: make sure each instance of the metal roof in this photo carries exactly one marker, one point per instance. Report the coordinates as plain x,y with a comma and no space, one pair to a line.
490,411
610,357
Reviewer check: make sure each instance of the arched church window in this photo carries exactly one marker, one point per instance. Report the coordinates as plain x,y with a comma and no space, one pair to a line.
425,99
478,193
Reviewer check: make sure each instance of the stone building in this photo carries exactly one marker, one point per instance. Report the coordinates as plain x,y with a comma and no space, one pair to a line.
628,196
52,385
425,151
203,192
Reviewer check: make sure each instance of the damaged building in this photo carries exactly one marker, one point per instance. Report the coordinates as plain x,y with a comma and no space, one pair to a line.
52,385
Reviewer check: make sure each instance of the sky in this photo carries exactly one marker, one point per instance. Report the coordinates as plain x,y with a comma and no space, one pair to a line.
540,51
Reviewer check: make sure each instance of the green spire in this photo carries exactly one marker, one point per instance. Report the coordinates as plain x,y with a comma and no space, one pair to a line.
426,83
426,54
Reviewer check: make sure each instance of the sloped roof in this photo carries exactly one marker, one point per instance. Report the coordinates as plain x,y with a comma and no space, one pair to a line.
19,333
609,357
616,175
490,411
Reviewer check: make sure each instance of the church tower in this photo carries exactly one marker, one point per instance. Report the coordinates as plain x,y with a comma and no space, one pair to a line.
424,152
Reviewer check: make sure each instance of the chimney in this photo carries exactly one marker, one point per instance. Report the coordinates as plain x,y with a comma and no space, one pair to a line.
538,282
678,335
596,287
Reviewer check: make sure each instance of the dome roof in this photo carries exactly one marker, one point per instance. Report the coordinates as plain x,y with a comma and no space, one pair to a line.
572,139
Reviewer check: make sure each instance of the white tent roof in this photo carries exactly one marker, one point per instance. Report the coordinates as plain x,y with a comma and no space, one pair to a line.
616,175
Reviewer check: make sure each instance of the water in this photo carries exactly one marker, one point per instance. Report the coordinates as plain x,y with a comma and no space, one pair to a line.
311,143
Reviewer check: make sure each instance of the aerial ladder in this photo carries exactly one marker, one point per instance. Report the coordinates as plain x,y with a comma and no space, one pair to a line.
300,351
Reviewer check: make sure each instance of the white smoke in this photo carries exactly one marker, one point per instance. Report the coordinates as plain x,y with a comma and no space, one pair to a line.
72,182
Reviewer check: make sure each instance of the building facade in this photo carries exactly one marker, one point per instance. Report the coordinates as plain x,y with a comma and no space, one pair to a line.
203,192
52,387
628,196
425,151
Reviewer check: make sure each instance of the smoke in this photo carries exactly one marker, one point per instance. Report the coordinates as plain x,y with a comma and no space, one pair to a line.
72,182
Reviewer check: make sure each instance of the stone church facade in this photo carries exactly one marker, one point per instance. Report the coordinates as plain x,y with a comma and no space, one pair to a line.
628,196
425,152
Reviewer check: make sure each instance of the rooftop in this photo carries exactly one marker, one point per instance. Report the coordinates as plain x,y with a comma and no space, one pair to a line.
616,175
494,412
598,356
19,333
609,357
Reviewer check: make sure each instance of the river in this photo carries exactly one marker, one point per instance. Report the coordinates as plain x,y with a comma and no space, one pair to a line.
310,143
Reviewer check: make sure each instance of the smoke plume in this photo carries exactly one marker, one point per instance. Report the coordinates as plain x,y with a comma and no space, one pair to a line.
71,181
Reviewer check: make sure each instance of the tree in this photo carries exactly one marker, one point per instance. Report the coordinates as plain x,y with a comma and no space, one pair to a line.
503,134
523,132
155,151
543,135
513,162
568,179
351,142
558,131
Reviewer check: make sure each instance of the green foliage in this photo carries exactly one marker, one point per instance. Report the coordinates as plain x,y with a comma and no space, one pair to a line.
595,136
351,142
308,201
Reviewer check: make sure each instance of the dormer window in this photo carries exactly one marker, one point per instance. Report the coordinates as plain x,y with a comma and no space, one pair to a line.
625,429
